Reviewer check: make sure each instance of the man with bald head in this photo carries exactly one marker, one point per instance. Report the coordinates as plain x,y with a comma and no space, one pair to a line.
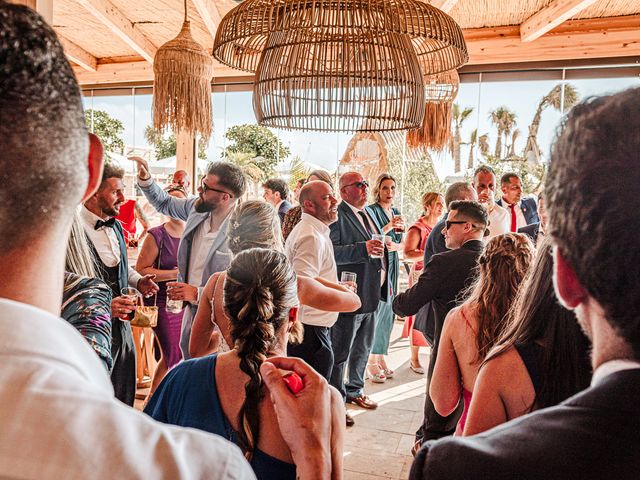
356,251
310,251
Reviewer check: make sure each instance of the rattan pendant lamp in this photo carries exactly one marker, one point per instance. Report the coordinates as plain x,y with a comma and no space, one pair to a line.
182,71
338,65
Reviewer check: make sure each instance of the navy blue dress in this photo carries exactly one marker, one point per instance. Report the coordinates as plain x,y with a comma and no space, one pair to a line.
188,397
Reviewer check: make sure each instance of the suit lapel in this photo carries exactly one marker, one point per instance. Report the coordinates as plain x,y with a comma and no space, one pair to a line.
346,209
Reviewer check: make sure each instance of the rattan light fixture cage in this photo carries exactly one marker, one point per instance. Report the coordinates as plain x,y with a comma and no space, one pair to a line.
339,65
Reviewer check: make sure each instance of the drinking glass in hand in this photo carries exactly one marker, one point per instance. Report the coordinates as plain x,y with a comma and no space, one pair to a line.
398,223
173,306
135,297
348,279
379,238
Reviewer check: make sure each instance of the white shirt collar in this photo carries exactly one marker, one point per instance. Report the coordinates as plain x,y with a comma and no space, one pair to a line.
612,366
315,222
354,209
88,216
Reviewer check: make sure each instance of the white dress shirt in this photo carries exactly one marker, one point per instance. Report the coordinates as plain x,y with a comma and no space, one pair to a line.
499,222
60,420
310,250
202,239
612,366
520,220
106,243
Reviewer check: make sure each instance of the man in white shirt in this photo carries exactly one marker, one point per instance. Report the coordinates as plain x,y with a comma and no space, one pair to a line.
522,211
593,194
310,250
203,248
484,182
106,240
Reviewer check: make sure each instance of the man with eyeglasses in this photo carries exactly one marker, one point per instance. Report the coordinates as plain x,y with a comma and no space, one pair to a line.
355,251
203,249
443,278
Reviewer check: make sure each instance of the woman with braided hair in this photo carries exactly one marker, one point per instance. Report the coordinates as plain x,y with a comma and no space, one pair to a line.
260,297
471,330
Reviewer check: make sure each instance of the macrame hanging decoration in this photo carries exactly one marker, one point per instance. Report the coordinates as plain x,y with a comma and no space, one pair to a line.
440,91
183,70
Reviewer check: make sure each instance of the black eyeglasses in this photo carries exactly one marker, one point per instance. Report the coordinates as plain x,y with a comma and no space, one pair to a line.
448,223
204,187
361,185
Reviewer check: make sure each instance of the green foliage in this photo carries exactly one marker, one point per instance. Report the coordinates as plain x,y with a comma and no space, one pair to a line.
531,175
299,171
419,177
166,145
108,129
259,143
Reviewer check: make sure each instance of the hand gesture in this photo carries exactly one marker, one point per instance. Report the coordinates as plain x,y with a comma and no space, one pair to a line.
182,291
147,286
143,167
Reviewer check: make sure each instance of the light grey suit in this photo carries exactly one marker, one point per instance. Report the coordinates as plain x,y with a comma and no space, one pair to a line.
218,258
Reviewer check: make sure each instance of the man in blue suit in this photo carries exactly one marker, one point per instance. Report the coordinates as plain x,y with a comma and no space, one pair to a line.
352,334
203,248
523,211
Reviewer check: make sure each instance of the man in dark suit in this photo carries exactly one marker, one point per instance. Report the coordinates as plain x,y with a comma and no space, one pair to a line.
276,192
355,251
442,280
523,211
537,229
593,194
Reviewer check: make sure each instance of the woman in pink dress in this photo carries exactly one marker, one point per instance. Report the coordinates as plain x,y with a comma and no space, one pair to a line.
471,330
432,205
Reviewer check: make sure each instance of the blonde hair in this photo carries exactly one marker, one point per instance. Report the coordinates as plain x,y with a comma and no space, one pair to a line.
428,199
322,175
79,259
254,224
376,188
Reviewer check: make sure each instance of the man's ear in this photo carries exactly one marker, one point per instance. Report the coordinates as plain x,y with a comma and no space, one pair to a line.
95,164
568,288
293,314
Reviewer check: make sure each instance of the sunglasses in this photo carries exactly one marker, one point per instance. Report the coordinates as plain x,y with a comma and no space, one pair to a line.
206,187
448,223
361,185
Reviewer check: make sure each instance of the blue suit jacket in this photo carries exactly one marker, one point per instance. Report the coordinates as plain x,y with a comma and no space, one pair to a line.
349,237
529,209
285,206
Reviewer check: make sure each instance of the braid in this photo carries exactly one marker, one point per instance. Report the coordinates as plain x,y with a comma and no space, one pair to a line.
259,290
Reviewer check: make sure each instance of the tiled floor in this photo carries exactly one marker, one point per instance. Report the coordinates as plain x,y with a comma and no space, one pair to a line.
378,445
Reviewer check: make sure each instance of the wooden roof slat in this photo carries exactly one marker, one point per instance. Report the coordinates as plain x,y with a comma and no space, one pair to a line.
78,55
445,5
121,26
550,17
209,13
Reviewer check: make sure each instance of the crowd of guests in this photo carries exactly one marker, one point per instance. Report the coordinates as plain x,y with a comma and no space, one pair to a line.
505,353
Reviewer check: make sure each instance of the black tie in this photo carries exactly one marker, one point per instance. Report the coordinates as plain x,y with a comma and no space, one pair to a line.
108,223
366,223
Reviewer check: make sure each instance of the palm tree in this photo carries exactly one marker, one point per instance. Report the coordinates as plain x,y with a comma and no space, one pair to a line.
472,146
483,143
552,99
504,120
458,116
512,147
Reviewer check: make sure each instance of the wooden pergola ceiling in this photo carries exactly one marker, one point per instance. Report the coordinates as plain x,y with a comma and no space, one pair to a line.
114,41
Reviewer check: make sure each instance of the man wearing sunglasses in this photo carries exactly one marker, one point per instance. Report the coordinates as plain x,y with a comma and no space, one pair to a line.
443,278
203,249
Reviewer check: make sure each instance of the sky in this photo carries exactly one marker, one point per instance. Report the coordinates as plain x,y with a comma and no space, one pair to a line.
325,149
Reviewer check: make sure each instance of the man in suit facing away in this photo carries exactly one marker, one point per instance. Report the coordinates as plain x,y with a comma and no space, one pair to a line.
593,197
276,192
203,248
538,229
352,334
522,211
442,280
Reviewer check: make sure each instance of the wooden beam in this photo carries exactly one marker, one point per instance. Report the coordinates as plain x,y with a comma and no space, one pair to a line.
445,5
43,7
185,155
550,17
78,55
210,15
121,26
574,39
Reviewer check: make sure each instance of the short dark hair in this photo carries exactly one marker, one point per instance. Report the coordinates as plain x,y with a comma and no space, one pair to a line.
43,136
593,199
506,178
277,185
456,191
472,211
483,169
229,176
112,170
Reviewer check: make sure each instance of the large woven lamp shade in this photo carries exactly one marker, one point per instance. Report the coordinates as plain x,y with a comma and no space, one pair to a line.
338,65
435,132
182,71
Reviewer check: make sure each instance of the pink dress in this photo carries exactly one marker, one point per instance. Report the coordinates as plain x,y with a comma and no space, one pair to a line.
417,338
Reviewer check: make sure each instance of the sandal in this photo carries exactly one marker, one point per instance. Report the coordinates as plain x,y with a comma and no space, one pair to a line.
388,372
419,370
379,376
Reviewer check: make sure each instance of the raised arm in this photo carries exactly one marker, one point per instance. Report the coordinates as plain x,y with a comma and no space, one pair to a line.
325,295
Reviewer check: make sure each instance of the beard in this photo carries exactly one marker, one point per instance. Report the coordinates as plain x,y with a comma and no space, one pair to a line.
201,206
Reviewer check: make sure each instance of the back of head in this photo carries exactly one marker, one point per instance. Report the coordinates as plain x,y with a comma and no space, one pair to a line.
458,191
502,267
43,137
229,176
537,316
259,292
254,224
277,185
321,175
592,195
472,211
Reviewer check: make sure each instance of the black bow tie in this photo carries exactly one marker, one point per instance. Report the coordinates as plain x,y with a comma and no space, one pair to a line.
108,223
